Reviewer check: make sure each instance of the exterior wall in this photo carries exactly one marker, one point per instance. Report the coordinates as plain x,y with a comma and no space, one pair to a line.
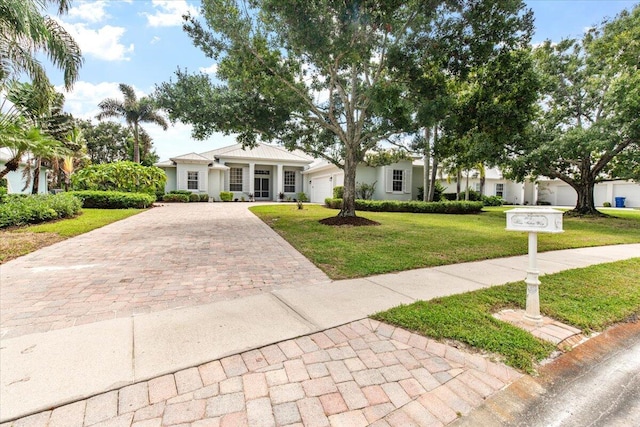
215,184
384,187
203,174
172,183
560,194
15,182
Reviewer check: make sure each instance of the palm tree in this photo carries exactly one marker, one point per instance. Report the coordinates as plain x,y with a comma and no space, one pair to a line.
134,111
25,33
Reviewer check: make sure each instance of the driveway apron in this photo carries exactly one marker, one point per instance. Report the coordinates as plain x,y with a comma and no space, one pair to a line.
175,255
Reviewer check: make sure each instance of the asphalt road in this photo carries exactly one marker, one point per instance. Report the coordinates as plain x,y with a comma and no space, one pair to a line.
597,384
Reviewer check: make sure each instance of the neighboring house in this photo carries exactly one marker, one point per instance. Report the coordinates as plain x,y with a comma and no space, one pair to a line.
267,170
15,179
264,171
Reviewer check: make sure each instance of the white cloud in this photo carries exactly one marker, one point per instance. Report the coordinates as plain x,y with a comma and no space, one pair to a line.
212,69
82,101
103,43
169,13
154,40
89,11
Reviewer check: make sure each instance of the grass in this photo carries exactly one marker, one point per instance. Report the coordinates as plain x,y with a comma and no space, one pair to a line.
21,241
406,241
591,299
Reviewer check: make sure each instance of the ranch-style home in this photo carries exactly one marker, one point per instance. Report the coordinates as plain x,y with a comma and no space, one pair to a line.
268,170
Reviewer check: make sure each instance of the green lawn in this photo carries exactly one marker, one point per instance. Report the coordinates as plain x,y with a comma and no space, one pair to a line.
21,241
406,241
590,298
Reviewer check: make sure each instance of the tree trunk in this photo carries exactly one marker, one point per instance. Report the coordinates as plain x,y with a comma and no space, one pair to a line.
458,179
349,196
11,166
136,143
36,176
466,191
483,179
586,204
434,171
427,165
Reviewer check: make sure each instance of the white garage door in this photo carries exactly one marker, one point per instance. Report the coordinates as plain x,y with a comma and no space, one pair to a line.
320,189
566,196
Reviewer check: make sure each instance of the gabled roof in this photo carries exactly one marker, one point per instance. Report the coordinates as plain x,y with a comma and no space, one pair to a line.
192,157
260,152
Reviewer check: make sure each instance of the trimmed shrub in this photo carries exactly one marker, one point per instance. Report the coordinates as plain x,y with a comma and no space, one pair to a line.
338,192
114,199
23,210
175,198
3,194
193,197
204,197
184,192
492,200
226,196
410,206
302,197
120,176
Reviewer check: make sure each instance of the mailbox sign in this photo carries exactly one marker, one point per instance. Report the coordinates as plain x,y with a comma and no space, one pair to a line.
536,220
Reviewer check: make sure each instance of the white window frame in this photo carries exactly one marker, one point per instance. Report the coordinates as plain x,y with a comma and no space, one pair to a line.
500,189
235,179
397,177
193,181
289,181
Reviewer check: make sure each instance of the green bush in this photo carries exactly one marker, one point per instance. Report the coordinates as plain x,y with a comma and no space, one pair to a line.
114,199
193,197
226,196
606,205
185,192
410,206
437,192
204,197
23,210
338,192
120,176
175,198
492,200
302,197
3,194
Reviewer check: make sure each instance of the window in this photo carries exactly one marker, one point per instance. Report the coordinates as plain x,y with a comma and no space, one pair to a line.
192,180
235,179
476,186
500,190
289,181
397,180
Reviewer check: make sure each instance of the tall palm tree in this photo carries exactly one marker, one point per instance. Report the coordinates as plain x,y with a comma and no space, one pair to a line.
134,111
25,32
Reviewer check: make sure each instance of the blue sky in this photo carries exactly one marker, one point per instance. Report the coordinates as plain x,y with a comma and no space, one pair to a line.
141,43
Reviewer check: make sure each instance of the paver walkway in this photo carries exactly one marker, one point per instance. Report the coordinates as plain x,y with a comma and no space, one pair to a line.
363,373
170,256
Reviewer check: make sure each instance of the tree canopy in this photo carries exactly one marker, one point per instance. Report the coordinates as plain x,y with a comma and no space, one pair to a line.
588,128
319,75
135,112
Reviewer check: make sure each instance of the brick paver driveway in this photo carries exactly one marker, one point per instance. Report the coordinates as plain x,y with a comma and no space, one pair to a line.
170,256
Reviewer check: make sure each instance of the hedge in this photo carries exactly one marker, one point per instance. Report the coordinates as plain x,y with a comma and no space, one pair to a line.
226,196
175,198
22,210
410,206
114,199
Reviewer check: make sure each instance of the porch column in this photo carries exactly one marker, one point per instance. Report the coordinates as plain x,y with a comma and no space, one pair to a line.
252,174
279,181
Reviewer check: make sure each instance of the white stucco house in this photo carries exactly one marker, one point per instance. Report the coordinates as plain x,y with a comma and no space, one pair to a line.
267,170
15,179
263,171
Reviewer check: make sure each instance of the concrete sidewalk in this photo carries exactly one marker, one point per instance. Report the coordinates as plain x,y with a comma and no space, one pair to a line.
47,370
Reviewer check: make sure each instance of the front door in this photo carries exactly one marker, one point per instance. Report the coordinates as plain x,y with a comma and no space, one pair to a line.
261,188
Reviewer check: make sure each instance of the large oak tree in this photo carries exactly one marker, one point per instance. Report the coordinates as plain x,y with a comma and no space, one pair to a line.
589,124
316,75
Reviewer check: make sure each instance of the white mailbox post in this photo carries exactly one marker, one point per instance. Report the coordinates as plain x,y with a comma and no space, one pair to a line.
534,221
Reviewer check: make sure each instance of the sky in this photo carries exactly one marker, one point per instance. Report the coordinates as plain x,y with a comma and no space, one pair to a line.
141,43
